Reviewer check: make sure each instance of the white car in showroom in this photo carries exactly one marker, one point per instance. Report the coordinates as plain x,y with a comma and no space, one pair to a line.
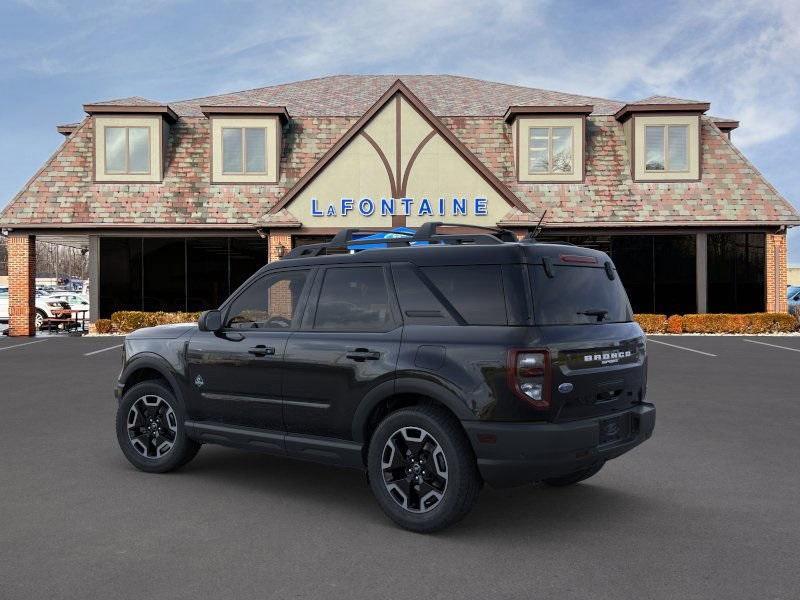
47,307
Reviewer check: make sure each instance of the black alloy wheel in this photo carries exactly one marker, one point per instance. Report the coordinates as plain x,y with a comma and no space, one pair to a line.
414,469
152,426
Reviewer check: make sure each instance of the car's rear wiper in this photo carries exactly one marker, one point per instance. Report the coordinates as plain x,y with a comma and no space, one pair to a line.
594,312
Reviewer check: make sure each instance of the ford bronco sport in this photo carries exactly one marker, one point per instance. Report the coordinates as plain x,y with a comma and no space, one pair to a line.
436,361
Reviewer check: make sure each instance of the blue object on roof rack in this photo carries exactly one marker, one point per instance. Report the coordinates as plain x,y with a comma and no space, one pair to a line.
394,233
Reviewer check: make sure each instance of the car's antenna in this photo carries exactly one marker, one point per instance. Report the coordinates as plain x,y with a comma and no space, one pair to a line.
538,229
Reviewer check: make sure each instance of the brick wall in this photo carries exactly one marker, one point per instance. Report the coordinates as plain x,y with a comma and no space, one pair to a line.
21,284
280,298
776,273
277,238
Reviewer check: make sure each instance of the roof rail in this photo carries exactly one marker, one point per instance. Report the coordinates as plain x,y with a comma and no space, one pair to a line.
427,233
429,230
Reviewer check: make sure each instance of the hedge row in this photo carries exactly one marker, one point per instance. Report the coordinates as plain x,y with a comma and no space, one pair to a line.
125,321
130,320
719,323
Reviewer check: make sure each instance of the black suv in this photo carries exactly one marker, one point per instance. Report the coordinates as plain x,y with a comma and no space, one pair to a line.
435,361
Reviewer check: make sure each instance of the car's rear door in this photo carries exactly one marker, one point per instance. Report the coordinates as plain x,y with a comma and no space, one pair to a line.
348,344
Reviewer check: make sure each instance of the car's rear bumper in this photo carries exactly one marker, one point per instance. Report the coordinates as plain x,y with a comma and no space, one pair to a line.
516,453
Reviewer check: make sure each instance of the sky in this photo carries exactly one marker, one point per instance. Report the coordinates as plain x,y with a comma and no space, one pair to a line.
741,56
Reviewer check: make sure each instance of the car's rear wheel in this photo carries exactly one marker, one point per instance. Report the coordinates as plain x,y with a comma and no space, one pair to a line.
575,477
150,429
422,469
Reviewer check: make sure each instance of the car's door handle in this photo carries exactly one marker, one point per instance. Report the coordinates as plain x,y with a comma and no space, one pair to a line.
262,350
362,354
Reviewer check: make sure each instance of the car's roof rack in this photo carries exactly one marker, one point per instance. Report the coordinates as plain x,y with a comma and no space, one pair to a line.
427,233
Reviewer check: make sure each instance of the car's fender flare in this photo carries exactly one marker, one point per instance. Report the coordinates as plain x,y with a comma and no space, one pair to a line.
151,360
406,385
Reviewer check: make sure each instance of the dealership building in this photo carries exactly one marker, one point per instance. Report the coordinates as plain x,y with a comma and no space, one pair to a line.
177,203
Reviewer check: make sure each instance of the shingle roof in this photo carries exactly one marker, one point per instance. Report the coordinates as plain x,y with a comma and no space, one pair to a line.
352,95
665,100
130,101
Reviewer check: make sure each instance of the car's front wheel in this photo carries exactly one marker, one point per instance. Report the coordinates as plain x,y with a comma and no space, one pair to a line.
422,469
39,318
150,429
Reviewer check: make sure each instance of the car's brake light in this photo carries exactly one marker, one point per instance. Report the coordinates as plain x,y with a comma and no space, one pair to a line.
529,376
578,259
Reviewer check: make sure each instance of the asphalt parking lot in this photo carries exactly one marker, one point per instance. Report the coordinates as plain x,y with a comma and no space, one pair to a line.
708,508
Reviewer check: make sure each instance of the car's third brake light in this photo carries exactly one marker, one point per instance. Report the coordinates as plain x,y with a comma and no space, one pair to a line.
529,376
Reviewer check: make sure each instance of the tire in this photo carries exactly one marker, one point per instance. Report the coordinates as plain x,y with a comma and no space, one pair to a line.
150,406
39,318
575,477
441,496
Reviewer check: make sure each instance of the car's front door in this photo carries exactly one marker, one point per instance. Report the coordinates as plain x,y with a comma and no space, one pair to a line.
236,374
348,344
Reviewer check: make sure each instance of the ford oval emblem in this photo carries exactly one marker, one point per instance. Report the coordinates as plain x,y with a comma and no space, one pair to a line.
565,388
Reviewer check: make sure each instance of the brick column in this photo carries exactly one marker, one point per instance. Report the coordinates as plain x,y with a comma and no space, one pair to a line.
21,284
775,273
278,238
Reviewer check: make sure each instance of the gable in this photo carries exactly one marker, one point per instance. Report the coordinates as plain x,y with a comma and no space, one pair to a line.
398,160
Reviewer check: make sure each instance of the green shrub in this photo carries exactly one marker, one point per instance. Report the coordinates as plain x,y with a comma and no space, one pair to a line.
126,321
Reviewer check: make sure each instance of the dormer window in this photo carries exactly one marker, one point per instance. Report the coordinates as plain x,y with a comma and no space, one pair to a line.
666,148
129,140
244,150
663,138
127,150
245,143
548,142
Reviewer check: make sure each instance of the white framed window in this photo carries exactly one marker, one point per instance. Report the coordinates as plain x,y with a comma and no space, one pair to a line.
127,150
244,150
550,150
666,148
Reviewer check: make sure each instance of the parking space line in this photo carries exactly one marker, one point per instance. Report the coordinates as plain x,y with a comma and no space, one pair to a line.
20,345
771,345
681,347
103,350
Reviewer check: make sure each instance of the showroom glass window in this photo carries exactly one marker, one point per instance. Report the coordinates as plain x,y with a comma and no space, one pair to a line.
174,274
127,150
550,150
244,150
736,264
666,148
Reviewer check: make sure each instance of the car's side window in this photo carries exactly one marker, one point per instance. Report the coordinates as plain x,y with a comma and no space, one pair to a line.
353,299
268,303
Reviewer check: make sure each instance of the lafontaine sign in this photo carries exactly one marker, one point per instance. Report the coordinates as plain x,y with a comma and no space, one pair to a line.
430,207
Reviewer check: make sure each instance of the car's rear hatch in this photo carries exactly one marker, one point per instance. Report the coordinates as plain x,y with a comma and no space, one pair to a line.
584,320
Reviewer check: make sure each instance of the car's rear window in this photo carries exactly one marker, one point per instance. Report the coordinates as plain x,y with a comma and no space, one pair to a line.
475,291
578,295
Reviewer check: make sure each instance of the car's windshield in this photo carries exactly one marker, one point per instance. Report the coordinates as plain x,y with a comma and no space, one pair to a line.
578,295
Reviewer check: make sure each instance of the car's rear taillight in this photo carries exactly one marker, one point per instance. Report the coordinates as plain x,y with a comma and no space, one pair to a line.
529,376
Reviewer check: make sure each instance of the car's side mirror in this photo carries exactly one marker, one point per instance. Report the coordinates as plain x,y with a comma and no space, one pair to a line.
210,320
